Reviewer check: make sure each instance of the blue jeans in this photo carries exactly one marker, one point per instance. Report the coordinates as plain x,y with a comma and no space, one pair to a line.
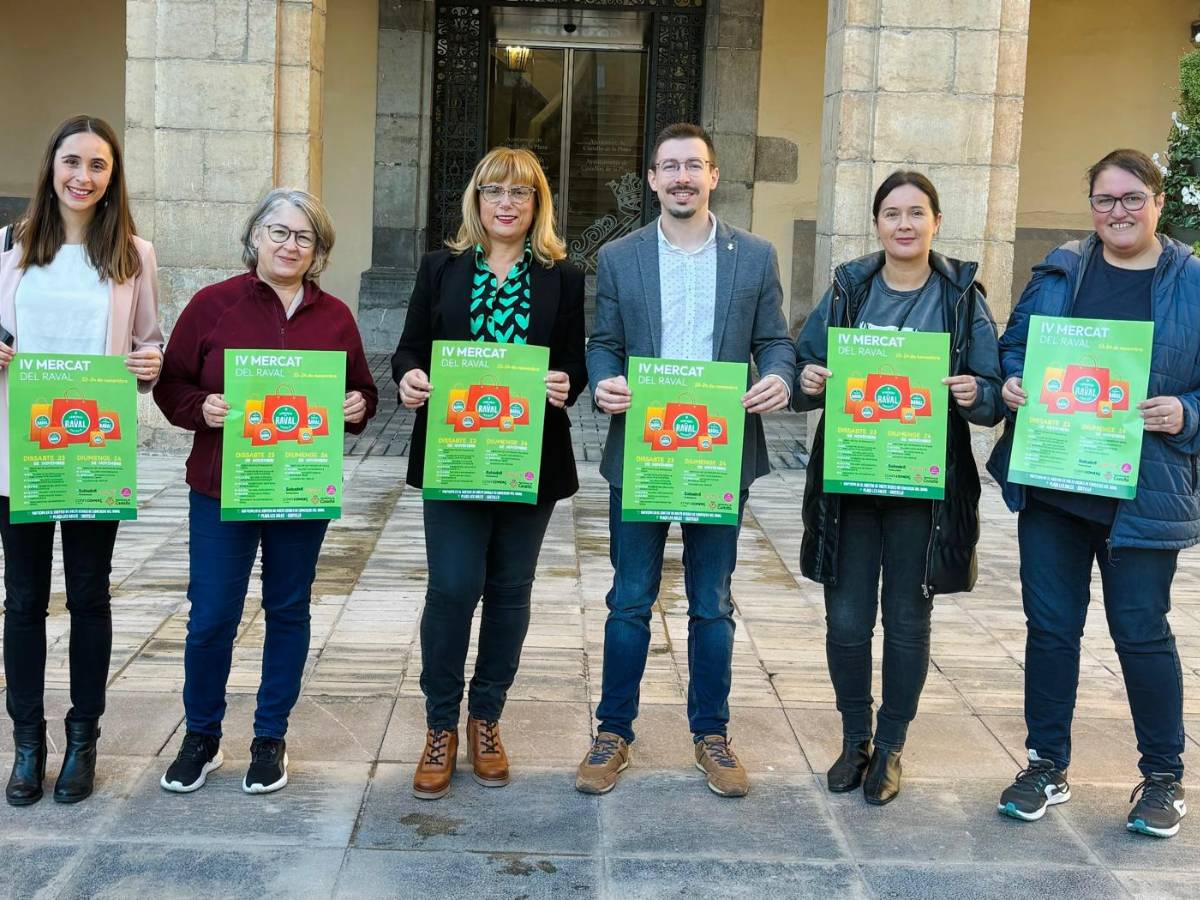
709,557
1057,550
221,555
888,535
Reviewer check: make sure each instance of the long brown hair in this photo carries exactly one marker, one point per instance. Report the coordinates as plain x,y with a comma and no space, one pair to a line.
109,238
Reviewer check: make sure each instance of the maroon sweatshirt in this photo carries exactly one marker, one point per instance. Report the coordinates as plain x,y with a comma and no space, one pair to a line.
245,313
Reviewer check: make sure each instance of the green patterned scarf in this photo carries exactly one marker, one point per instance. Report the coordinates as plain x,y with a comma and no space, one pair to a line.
500,312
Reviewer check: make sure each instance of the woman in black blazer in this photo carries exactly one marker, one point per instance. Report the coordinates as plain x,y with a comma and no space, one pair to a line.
503,279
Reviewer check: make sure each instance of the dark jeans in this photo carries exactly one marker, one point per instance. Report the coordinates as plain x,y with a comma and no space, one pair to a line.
1057,551
221,555
709,558
892,535
476,549
87,563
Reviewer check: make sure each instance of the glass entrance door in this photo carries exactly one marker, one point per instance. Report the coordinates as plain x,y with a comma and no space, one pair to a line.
581,112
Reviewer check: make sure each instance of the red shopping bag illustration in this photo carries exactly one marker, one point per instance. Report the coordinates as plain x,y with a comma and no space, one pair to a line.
1086,387
718,430
686,421
318,423
39,420
76,417
887,394
1118,394
921,401
487,402
518,410
285,413
110,425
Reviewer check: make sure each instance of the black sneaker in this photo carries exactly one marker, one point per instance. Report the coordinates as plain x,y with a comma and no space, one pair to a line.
1040,785
199,755
1160,808
268,766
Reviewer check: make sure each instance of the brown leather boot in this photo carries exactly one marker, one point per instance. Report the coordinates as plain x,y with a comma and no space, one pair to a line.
485,752
432,779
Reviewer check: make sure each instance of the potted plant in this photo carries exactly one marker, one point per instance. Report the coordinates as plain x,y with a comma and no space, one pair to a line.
1181,168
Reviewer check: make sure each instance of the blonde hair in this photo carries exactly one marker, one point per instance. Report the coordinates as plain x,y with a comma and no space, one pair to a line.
312,208
520,167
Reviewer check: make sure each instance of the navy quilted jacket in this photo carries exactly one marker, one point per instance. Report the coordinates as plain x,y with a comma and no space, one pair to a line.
1165,514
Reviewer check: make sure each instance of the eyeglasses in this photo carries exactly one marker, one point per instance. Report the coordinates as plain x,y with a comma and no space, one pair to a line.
1132,202
672,166
520,194
280,233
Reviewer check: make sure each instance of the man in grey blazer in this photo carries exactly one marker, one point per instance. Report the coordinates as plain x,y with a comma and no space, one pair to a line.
686,286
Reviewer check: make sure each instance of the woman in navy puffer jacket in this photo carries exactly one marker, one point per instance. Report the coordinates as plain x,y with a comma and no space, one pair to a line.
1124,271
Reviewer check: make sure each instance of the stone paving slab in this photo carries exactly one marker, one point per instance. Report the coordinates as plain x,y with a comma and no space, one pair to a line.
347,826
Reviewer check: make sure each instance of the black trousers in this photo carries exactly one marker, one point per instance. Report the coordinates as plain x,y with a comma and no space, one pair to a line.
87,561
476,550
888,536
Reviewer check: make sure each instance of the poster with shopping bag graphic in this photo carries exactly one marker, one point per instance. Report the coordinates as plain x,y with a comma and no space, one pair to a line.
72,438
885,413
484,434
281,451
1080,429
683,441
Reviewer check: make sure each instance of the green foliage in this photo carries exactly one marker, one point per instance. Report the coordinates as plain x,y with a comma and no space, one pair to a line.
1182,163
1189,85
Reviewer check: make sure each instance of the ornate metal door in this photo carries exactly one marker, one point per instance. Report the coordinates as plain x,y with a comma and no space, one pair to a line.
460,104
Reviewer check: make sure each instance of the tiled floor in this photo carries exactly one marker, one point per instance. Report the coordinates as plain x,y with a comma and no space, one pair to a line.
346,824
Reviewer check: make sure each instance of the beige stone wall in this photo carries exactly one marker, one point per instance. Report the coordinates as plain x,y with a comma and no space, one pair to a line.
938,87
1082,55
791,79
56,60
223,100
351,53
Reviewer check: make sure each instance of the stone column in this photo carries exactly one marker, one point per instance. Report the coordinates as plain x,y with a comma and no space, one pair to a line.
222,101
732,59
402,135
936,86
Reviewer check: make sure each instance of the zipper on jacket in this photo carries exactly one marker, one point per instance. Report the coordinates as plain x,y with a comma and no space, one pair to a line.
934,527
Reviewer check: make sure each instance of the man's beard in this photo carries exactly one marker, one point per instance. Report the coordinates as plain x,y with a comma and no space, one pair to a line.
681,213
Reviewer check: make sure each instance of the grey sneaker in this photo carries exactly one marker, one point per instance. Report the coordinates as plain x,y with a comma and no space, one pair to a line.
603,764
726,775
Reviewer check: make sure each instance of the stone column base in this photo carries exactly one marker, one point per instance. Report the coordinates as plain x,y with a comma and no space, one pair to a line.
382,306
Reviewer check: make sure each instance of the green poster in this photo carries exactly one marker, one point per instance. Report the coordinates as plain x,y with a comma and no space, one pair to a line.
683,441
885,413
72,438
281,453
1080,429
484,437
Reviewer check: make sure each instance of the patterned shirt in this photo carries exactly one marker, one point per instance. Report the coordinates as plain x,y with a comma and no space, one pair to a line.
688,287
500,312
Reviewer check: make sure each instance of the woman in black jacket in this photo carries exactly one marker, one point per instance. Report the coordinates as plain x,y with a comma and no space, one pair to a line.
922,547
503,279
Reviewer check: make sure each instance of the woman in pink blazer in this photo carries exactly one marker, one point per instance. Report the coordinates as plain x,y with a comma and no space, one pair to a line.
74,278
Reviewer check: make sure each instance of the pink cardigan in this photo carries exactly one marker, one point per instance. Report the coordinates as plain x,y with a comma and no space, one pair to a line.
132,322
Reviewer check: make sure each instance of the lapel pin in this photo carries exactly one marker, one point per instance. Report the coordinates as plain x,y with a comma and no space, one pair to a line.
730,246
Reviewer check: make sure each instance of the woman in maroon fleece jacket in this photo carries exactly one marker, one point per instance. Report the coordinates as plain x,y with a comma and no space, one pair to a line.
275,305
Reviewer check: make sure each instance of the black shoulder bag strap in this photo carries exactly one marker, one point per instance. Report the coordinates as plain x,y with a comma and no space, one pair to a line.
8,238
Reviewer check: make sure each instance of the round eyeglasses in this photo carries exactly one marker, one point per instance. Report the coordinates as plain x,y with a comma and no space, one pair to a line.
520,194
280,233
1132,202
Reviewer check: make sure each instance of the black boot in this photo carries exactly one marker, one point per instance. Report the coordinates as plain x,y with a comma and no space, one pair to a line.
882,782
846,773
29,765
78,774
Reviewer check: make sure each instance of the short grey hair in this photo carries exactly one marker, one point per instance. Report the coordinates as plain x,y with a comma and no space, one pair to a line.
312,208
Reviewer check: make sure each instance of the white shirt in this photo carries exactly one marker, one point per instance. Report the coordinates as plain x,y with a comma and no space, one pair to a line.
63,307
687,283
